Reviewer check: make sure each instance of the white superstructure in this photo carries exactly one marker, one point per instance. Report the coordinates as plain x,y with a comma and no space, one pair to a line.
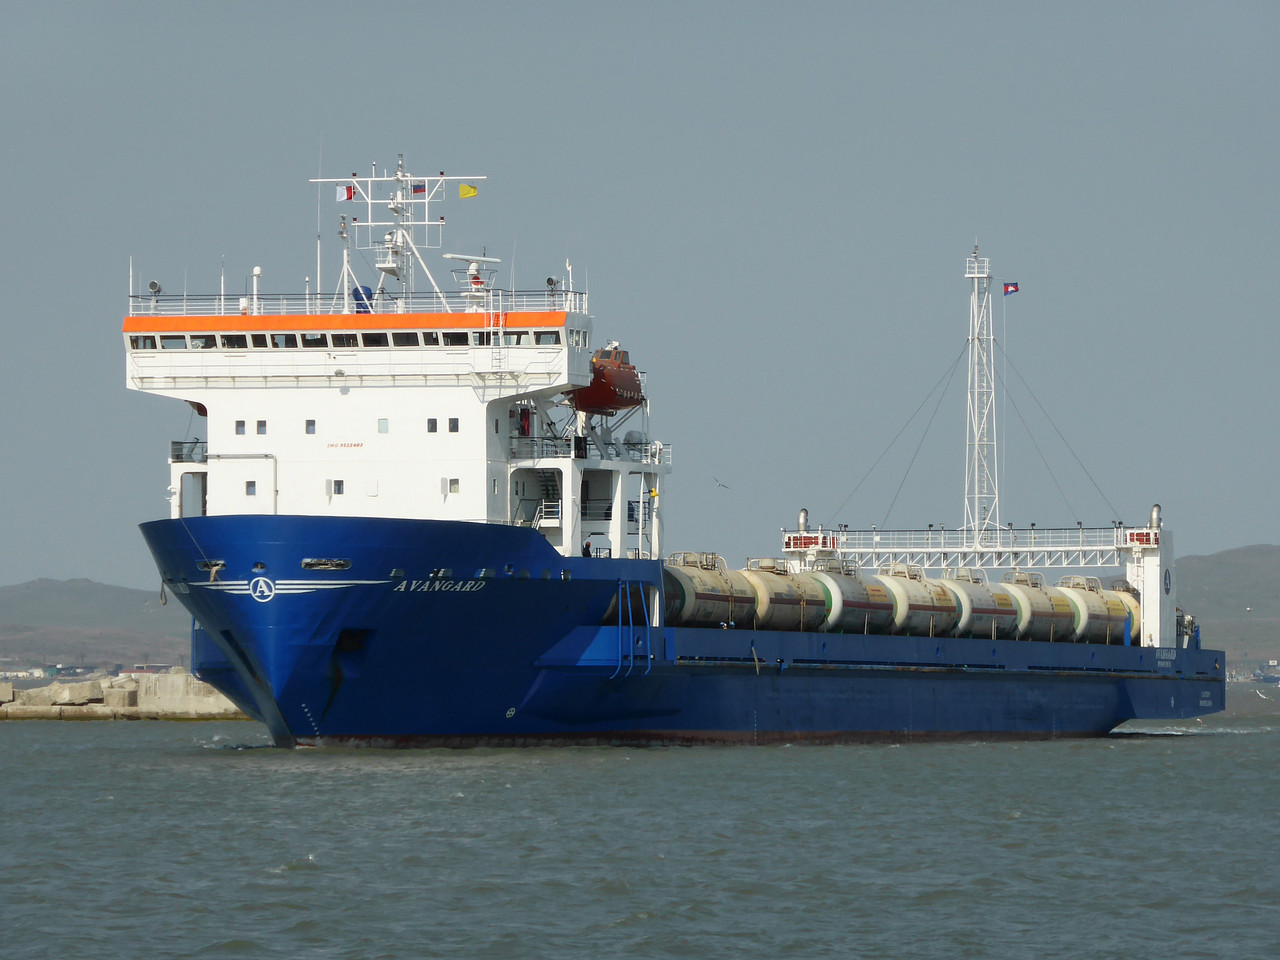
384,401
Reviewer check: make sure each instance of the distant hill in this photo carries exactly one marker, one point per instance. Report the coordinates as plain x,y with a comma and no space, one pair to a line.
83,622
1235,595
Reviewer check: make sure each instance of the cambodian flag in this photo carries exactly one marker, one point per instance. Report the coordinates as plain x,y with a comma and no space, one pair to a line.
1010,288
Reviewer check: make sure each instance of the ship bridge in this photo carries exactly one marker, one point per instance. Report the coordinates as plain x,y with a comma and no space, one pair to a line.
397,398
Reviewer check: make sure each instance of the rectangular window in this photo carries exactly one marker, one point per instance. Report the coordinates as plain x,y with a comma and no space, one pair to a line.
311,427
515,338
453,424
431,339
374,339
431,425
383,425
453,484
239,428
547,338
315,340
173,342
262,428
251,488
404,338
344,340
201,341
337,488
142,343
481,338
284,340
455,339
259,339
495,486
234,341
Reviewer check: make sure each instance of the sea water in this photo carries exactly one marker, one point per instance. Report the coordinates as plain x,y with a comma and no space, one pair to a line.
146,840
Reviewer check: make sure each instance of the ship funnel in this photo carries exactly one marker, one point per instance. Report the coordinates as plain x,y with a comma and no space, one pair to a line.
1155,517
803,524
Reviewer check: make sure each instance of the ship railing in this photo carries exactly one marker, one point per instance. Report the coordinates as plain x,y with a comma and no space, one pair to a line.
298,304
188,451
1077,546
549,448
597,509
541,448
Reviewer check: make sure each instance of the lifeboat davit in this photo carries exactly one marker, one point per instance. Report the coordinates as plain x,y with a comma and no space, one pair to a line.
615,384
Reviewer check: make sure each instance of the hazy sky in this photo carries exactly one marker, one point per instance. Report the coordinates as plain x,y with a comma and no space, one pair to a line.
772,205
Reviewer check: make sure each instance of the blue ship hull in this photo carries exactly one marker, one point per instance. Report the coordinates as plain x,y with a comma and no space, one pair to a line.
450,633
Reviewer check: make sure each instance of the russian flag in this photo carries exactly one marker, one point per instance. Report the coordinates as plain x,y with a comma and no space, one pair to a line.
419,188
1010,288
347,193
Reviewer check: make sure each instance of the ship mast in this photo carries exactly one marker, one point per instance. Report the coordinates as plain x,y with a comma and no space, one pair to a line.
981,473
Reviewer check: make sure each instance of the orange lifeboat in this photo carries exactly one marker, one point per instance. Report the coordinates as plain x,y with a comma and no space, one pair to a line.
615,384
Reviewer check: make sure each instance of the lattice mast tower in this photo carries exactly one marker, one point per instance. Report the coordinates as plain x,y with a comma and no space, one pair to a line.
981,472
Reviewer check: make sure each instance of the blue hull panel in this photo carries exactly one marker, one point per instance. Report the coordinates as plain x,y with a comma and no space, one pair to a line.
436,632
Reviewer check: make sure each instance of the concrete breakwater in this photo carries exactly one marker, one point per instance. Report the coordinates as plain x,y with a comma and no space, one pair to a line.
176,695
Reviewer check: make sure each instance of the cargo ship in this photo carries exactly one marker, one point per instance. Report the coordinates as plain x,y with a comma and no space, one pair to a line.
416,513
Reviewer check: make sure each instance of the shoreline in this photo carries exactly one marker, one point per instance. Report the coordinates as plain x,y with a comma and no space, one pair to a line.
176,695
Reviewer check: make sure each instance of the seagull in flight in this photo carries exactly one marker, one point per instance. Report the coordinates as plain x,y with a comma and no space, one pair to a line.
719,484
1262,695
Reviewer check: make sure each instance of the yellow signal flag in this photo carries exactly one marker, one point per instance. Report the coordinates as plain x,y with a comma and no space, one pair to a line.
466,190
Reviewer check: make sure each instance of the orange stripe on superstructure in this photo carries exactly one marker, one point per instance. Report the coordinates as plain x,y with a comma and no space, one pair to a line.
325,322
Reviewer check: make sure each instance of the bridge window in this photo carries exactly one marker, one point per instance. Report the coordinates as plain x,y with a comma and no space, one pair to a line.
515,338
344,340
454,338
284,340
481,338
173,342
404,338
374,339
259,339
204,342
547,338
142,343
431,339
234,341
315,340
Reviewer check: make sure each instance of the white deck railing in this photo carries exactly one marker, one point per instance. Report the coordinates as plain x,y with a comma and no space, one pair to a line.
299,304
1007,547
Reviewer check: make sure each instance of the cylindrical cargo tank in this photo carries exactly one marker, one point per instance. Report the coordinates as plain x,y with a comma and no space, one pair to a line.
853,605
702,592
1099,618
923,608
983,611
1128,596
784,602
1043,613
